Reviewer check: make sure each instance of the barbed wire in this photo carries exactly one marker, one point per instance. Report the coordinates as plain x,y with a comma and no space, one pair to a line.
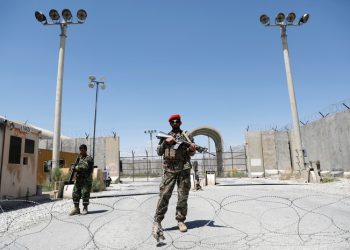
228,221
342,106
339,107
78,133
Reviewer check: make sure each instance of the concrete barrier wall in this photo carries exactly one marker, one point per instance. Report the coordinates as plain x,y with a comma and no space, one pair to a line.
283,156
326,140
255,159
269,150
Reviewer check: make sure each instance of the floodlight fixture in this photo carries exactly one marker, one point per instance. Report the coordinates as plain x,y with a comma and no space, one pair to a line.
98,84
280,18
304,19
291,17
103,85
150,132
297,152
40,17
265,20
54,15
63,23
66,14
81,15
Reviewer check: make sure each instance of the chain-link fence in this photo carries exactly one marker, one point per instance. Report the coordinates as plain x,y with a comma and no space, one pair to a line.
149,168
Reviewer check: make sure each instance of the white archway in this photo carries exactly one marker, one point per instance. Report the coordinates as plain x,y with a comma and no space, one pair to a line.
215,135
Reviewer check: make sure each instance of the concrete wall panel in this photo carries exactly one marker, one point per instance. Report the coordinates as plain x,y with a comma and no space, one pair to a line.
326,140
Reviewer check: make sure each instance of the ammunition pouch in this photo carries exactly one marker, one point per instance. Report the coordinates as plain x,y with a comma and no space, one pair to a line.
169,154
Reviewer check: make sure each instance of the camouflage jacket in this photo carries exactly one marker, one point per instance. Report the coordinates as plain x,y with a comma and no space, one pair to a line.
84,166
176,158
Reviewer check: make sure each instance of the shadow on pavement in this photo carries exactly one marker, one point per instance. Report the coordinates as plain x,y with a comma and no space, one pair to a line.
259,184
195,224
15,204
98,211
161,244
121,195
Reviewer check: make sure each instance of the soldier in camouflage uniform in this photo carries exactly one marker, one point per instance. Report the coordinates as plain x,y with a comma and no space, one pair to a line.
196,176
82,187
177,169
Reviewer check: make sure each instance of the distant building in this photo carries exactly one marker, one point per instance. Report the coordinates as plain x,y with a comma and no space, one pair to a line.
106,152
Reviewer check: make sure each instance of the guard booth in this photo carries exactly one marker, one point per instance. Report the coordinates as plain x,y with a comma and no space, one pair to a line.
18,159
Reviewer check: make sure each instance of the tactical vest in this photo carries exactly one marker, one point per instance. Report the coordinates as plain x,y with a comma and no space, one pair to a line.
175,156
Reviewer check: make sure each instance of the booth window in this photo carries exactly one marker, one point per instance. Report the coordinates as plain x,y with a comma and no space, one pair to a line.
29,146
15,150
62,163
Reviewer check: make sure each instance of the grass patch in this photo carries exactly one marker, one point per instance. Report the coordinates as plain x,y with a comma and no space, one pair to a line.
285,176
328,178
235,173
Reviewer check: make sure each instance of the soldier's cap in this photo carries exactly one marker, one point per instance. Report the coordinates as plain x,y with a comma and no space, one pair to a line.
174,117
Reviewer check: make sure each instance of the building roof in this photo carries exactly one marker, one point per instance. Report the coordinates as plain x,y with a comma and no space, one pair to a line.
44,133
2,119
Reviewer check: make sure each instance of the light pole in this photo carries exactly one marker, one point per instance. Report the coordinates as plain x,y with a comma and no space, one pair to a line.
63,23
282,22
99,84
150,132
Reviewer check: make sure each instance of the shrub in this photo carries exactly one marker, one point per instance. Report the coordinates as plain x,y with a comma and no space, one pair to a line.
327,178
56,174
97,185
47,186
239,174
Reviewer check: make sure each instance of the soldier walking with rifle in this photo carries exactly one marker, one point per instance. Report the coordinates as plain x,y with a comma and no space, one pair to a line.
177,167
83,167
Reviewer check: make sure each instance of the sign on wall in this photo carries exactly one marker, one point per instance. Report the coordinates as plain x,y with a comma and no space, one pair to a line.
255,162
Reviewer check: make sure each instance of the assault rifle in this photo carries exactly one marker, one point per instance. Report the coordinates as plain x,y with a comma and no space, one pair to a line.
180,141
70,175
71,172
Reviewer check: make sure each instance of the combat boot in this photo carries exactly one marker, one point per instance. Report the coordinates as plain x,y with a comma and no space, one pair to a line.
157,231
182,227
85,210
76,210
198,186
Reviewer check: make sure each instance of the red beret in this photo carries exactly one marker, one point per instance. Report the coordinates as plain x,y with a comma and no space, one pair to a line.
174,117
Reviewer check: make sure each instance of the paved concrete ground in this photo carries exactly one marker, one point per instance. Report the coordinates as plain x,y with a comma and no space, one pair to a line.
236,214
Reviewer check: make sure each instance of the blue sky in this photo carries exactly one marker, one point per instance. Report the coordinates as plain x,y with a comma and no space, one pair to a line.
211,61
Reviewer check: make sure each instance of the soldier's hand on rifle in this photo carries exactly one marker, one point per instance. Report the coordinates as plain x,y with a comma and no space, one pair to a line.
192,147
170,140
72,167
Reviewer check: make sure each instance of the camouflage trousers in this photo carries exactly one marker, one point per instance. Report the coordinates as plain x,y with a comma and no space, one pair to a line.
82,188
183,181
